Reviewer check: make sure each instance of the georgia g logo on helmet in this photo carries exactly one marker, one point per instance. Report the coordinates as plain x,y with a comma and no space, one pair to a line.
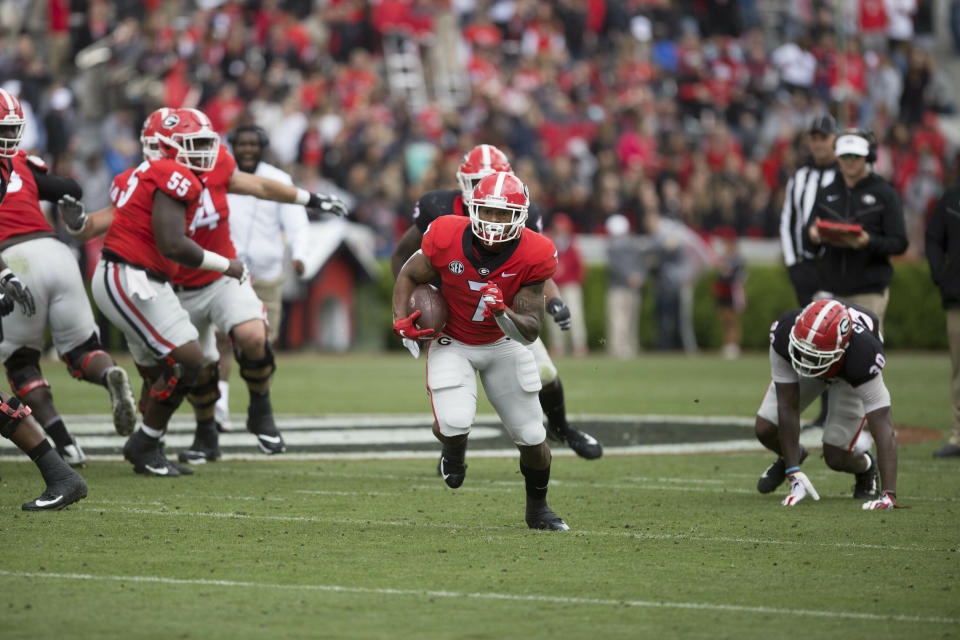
819,338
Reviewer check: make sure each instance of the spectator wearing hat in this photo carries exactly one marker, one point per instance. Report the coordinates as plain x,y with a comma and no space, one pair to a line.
855,266
570,275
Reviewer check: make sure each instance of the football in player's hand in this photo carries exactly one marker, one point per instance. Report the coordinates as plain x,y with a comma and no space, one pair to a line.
432,308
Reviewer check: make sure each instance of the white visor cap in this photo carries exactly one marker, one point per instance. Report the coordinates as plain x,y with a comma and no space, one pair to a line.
852,145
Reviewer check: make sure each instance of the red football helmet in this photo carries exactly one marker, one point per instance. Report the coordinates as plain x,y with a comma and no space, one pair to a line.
11,124
505,192
819,337
186,136
478,163
148,134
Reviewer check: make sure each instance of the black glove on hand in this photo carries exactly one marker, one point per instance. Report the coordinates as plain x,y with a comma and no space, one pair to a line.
560,313
327,204
73,214
18,291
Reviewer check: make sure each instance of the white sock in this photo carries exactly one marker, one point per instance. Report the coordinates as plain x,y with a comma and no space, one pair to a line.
224,388
150,431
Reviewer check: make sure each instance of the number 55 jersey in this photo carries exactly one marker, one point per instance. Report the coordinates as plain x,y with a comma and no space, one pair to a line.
130,237
465,267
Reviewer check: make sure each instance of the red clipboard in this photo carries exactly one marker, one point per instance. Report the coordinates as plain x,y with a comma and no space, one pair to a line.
837,231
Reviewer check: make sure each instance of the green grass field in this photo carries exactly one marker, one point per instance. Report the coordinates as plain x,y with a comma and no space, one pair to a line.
661,546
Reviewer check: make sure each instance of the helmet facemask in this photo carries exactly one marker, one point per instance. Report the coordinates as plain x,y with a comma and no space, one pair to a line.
197,150
11,133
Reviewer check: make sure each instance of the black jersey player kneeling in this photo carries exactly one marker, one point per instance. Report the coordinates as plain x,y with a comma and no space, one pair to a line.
828,343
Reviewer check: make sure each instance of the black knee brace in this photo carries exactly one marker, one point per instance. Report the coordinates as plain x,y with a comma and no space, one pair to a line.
79,357
11,413
256,370
23,371
173,384
206,394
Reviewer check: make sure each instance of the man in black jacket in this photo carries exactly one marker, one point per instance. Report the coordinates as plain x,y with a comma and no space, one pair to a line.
856,267
943,254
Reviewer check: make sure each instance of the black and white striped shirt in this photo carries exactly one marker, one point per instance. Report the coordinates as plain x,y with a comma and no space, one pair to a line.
798,201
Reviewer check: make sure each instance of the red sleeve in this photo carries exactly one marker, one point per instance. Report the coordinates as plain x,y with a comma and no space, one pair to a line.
543,259
226,163
439,236
175,180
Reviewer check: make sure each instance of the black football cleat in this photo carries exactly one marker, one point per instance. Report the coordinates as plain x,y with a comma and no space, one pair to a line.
124,408
452,472
147,457
582,443
585,445
59,494
545,519
776,473
947,451
205,447
72,454
867,486
263,426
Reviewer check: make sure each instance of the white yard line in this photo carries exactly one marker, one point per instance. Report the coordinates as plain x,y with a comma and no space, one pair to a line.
415,593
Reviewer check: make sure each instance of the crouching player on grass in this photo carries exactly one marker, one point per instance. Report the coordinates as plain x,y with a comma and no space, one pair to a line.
829,344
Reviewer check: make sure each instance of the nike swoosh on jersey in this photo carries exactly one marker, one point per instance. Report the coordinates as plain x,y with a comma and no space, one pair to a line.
508,275
47,503
160,471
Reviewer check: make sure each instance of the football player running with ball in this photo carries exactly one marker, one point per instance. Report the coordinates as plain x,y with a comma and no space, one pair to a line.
493,273
828,343
479,162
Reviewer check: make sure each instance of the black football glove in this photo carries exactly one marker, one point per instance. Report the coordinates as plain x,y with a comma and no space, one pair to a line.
14,288
73,214
327,203
560,312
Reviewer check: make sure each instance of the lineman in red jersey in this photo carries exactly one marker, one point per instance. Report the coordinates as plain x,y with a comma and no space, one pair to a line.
478,163
215,301
143,249
56,298
64,486
492,272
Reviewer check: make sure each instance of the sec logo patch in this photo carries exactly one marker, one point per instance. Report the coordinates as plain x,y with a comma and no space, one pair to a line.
456,267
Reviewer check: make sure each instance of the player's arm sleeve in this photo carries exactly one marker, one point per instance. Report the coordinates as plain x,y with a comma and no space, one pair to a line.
546,266
874,394
424,213
428,245
780,369
52,188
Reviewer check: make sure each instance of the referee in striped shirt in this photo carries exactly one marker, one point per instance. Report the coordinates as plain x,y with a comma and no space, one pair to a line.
798,201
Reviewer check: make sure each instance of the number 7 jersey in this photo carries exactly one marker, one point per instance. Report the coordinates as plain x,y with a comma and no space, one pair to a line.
130,236
464,270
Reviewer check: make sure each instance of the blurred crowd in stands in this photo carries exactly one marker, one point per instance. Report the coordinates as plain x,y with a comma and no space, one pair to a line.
692,110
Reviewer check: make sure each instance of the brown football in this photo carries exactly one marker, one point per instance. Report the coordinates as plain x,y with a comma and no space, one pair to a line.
432,307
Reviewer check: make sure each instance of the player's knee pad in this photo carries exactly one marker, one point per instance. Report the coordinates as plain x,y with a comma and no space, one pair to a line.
173,384
206,391
23,371
547,370
256,370
12,412
78,358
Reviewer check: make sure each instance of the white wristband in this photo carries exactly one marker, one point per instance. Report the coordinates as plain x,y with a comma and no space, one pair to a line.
510,329
214,262
303,196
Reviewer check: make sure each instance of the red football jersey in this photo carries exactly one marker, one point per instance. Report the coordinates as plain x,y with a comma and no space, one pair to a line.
130,235
20,211
448,243
208,220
